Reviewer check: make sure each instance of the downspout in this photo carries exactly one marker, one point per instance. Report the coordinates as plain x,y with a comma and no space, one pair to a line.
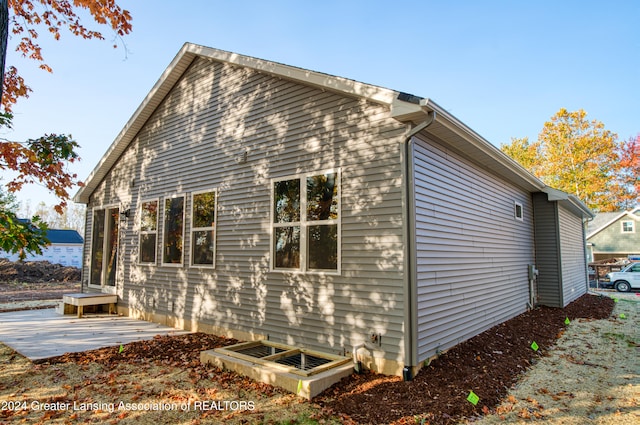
585,224
411,290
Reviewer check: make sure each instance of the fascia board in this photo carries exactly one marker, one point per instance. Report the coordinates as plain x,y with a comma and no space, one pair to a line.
573,201
178,66
160,89
323,81
484,146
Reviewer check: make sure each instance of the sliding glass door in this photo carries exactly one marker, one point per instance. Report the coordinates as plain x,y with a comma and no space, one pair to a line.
104,247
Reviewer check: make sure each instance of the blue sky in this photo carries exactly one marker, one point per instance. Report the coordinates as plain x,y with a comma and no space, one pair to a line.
501,67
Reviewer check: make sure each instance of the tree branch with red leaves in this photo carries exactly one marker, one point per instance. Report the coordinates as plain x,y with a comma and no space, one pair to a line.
44,160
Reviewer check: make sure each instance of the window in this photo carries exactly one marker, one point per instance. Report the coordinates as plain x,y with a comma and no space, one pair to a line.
518,212
148,232
306,223
203,220
104,247
173,231
628,227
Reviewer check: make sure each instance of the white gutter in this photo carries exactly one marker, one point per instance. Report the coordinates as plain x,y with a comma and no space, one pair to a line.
411,289
572,200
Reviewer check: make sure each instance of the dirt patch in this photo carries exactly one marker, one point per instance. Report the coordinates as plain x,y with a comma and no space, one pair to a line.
37,272
31,281
16,292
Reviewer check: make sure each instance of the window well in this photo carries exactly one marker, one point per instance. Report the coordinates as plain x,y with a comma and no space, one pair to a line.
301,371
299,361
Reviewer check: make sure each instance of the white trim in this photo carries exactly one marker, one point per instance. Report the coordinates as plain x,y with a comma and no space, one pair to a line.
141,232
181,62
303,224
633,227
102,286
402,109
570,202
164,223
518,206
273,225
196,229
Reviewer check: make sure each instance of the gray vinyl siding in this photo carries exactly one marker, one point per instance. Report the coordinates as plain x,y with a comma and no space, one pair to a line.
472,254
574,268
560,253
192,142
548,282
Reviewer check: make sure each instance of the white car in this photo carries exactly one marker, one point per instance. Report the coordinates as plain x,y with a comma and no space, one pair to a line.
626,279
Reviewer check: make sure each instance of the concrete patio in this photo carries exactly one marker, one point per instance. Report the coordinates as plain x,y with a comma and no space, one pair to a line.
40,334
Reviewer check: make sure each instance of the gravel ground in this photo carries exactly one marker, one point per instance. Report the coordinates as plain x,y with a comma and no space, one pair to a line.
592,376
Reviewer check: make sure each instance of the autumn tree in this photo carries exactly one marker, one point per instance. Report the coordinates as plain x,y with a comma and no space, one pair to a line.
629,177
577,156
4,37
525,152
45,159
19,236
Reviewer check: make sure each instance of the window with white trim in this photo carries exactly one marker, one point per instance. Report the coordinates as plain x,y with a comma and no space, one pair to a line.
306,223
518,212
173,231
148,238
628,227
203,222
104,246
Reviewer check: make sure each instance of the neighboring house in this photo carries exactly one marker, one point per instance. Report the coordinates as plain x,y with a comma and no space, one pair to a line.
259,200
614,235
65,249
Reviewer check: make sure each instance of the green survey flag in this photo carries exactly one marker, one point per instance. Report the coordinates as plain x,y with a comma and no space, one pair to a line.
473,398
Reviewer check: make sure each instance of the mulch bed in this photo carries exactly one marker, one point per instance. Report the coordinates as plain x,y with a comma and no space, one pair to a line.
487,364
181,350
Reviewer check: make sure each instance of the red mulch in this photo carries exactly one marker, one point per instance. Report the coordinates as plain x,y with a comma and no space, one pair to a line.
488,364
181,350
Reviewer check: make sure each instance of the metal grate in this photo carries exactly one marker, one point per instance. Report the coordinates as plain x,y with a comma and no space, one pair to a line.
303,361
260,351
294,360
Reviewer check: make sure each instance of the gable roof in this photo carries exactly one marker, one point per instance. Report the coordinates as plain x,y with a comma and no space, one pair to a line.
604,220
64,236
404,107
